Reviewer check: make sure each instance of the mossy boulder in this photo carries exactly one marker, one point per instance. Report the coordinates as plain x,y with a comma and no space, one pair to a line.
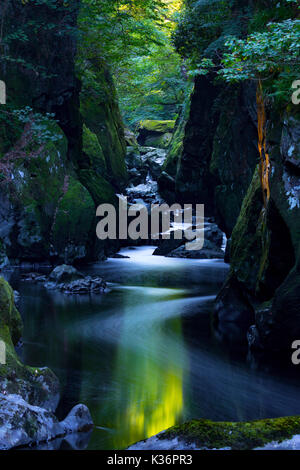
29,396
31,196
157,126
155,133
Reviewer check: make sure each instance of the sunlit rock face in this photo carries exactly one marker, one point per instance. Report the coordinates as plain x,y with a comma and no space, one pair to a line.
265,248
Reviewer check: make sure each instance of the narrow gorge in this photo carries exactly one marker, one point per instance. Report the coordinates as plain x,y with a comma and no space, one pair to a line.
140,343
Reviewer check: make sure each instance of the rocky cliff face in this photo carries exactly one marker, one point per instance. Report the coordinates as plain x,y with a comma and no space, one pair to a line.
242,162
263,286
52,173
216,160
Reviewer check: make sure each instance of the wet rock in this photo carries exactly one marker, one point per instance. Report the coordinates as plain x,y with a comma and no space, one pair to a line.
22,424
87,285
209,251
143,193
34,277
290,144
130,138
234,313
16,297
263,286
154,160
167,184
213,241
167,246
142,161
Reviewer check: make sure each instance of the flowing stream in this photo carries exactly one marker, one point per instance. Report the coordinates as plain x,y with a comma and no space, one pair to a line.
142,357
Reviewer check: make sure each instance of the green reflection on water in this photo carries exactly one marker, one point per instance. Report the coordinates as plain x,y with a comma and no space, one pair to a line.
150,365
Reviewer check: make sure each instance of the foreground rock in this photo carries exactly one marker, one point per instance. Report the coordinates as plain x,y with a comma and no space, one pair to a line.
28,396
25,424
207,435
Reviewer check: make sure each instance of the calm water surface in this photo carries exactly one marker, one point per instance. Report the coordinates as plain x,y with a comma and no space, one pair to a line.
142,357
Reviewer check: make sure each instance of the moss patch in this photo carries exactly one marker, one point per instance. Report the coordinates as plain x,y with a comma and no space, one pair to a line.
157,126
73,219
93,150
100,189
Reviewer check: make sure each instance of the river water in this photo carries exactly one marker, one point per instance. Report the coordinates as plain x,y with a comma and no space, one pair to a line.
143,357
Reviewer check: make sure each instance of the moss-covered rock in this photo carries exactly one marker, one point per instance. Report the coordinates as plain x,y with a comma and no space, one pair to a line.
28,396
100,111
155,133
236,436
73,220
101,190
160,127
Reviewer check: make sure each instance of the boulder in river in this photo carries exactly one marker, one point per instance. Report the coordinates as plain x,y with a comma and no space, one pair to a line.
213,241
65,273
209,251
70,281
